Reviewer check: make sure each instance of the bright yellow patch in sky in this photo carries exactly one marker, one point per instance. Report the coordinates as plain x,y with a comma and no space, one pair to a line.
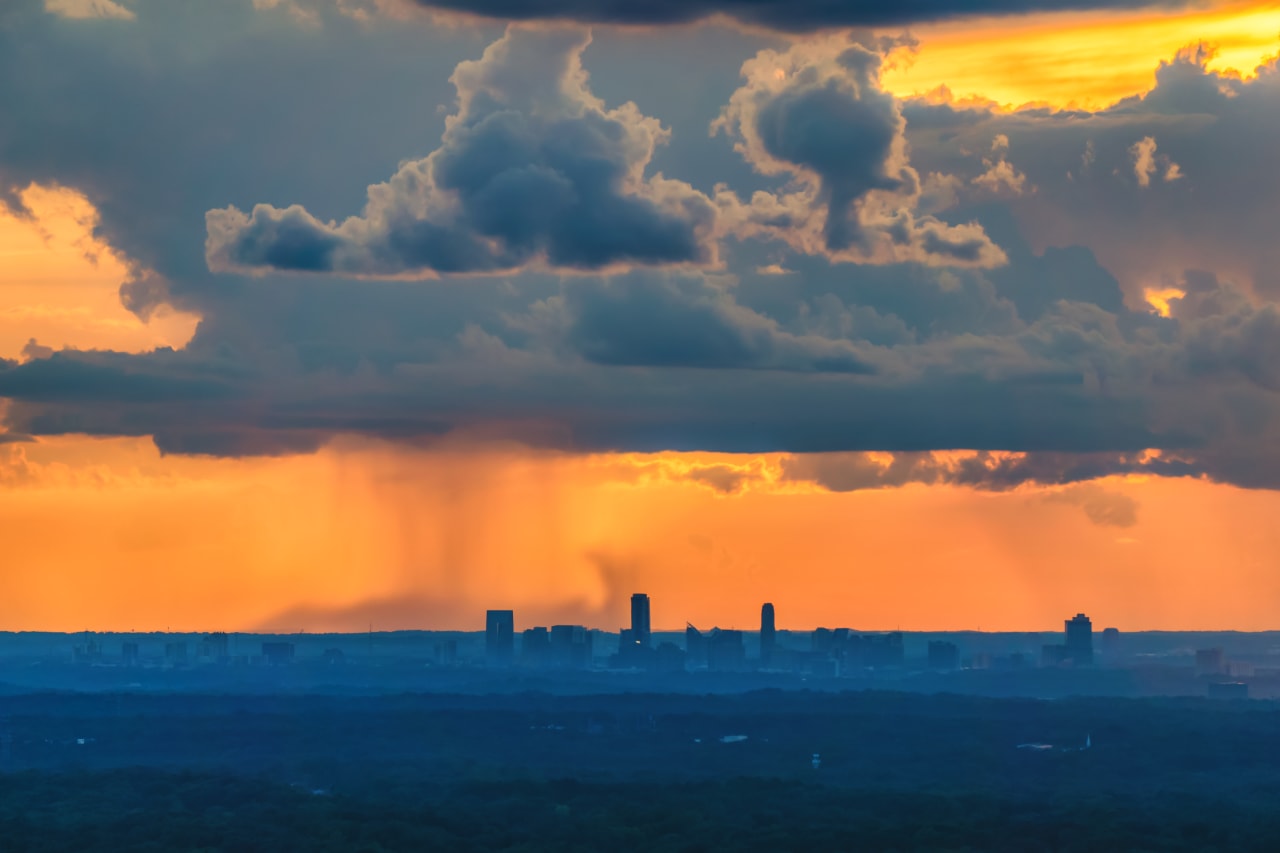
59,284
1158,298
1074,60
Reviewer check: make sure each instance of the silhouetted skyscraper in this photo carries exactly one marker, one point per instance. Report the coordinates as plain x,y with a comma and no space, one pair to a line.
640,632
768,634
1079,645
499,636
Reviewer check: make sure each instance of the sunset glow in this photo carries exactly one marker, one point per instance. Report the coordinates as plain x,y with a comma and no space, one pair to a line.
1075,61
358,390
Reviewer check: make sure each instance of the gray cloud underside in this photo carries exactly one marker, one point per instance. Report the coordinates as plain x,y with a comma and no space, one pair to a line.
782,15
779,351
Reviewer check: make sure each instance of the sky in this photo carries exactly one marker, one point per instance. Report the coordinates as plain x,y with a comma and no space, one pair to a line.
329,314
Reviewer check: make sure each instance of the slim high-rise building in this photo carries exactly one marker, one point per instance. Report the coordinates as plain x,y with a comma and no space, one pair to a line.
499,636
1079,645
768,634
640,632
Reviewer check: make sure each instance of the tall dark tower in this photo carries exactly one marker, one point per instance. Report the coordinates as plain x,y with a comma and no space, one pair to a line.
499,636
1079,639
640,632
768,635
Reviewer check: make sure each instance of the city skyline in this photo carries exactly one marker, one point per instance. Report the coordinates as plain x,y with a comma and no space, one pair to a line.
374,311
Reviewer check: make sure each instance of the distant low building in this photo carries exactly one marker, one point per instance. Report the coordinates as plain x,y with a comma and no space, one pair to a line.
446,652
571,647
276,652
726,651
215,647
175,652
943,655
90,651
1228,690
1211,662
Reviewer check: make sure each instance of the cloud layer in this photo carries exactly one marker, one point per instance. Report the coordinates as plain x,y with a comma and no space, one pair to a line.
832,271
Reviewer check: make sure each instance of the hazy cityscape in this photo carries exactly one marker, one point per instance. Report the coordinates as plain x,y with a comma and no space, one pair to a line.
578,658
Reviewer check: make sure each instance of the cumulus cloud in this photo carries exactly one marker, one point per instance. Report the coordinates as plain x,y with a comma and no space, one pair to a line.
533,168
817,115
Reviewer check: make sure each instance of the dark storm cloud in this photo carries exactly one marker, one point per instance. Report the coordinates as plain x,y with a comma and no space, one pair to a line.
532,167
783,15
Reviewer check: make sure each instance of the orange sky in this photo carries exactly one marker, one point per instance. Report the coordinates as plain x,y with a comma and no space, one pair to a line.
106,534
1075,60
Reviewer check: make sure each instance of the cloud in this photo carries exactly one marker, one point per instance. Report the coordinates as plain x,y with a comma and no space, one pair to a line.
1104,507
1206,193
648,319
983,470
1001,176
1144,160
817,115
922,347
784,15
995,472
533,168
84,9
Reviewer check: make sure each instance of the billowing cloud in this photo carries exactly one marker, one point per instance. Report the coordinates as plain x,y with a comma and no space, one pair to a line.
533,168
816,114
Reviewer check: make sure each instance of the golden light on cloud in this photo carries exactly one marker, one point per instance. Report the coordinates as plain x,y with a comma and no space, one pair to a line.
1159,298
59,284
1076,60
